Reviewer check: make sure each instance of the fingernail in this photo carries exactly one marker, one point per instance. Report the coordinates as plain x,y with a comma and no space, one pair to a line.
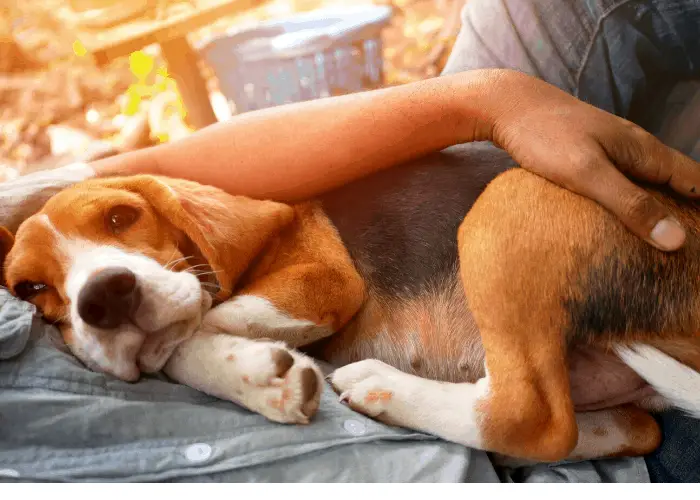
668,234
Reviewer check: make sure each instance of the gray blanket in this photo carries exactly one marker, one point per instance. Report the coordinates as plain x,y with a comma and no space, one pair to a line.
62,422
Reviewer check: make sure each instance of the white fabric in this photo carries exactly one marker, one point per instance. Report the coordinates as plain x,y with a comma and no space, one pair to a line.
25,195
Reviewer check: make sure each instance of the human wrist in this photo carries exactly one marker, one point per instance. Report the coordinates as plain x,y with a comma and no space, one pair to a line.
484,98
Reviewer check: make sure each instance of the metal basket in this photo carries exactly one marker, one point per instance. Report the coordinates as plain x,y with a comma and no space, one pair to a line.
308,56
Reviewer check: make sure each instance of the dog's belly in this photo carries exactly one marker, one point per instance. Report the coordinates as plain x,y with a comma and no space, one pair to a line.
432,335
435,337
600,380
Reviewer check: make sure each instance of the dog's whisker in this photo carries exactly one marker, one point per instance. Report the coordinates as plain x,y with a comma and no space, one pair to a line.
204,273
172,264
194,267
169,258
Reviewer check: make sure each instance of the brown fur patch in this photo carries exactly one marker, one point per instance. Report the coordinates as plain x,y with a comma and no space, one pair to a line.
306,273
374,396
33,258
528,412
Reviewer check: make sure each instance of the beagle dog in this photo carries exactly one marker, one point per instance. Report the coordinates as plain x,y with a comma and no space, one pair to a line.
517,318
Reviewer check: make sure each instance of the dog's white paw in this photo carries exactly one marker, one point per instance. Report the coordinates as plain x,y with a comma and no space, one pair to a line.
277,382
265,377
373,388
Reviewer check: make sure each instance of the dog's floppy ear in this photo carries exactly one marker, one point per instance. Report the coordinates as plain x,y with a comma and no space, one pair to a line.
6,242
229,231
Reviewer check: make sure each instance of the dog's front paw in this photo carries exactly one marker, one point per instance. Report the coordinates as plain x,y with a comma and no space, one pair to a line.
372,388
277,382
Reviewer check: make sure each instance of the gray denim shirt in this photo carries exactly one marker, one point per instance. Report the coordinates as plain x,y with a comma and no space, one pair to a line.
62,422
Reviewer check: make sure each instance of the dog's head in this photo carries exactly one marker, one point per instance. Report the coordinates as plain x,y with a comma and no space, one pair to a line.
127,266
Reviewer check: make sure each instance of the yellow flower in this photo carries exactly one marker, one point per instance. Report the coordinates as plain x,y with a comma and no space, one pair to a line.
163,71
79,49
140,64
133,101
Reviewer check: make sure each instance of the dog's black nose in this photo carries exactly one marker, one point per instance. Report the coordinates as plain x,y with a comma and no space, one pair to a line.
108,298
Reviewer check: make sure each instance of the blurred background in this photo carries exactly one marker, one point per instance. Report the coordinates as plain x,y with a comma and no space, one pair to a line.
83,79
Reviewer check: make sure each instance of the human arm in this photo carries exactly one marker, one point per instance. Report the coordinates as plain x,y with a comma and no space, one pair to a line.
297,151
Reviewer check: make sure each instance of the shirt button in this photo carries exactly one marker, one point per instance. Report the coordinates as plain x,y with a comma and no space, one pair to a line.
355,427
198,452
8,473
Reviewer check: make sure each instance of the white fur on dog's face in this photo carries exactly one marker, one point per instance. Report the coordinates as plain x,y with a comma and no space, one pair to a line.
170,309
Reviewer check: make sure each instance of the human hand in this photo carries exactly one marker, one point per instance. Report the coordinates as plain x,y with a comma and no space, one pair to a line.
24,196
591,152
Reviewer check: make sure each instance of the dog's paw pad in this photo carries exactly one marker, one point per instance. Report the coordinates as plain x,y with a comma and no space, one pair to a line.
282,384
310,390
282,360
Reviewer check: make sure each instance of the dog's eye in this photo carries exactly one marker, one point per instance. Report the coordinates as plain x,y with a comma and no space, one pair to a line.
121,217
25,290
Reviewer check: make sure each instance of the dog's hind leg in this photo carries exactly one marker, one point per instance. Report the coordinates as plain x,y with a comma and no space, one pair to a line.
451,412
613,432
527,411
530,423
389,395
624,431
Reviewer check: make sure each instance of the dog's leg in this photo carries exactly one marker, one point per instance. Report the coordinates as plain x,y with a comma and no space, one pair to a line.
389,395
518,308
450,411
615,432
625,431
468,414
297,305
265,377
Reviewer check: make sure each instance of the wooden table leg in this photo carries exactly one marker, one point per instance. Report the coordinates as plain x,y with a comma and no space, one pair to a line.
182,65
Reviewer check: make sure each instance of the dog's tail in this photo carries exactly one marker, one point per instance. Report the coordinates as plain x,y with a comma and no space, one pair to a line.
678,383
